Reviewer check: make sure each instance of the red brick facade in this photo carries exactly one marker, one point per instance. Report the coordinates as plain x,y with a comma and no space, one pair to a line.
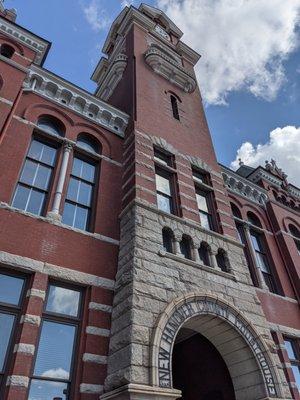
43,249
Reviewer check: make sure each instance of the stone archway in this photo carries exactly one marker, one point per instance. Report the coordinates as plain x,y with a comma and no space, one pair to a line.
242,349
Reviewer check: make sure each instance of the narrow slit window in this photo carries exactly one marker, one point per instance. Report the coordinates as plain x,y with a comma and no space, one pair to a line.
175,109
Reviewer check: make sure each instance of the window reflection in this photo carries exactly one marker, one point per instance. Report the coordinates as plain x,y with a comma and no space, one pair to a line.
45,390
33,186
53,370
63,301
6,327
10,289
55,351
78,204
11,296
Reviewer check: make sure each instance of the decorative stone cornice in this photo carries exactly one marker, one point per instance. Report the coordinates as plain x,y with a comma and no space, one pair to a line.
294,191
156,14
109,75
241,186
262,174
165,66
75,99
34,42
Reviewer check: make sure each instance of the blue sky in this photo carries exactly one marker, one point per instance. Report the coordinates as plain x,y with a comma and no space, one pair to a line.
249,72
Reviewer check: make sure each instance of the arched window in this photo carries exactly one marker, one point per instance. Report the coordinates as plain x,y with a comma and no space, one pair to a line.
175,110
167,236
222,260
296,233
235,211
185,247
6,50
88,143
204,254
253,219
51,125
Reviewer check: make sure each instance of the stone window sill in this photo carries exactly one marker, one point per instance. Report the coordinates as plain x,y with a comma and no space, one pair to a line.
195,264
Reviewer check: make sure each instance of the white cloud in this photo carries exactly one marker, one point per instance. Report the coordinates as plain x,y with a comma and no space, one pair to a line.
283,146
95,15
64,301
126,3
243,43
58,373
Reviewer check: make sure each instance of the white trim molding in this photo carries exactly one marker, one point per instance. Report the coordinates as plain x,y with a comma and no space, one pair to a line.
75,99
39,45
167,67
108,75
243,187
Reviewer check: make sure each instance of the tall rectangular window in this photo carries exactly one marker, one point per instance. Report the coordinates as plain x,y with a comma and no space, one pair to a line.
293,349
11,298
33,186
164,178
78,204
203,207
54,364
204,198
262,260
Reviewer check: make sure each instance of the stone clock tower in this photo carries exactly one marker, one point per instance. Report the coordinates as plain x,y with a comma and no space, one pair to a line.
183,294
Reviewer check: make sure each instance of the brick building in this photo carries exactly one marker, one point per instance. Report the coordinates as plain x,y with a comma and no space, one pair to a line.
133,265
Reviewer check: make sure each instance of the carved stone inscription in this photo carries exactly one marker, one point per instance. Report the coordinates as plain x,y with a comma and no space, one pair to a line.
198,307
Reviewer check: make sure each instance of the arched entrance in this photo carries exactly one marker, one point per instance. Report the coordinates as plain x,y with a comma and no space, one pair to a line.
241,352
199,370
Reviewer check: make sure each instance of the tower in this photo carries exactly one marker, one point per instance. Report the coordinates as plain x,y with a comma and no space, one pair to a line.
181,269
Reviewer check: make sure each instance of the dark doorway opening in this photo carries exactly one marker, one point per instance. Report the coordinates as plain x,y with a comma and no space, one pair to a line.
200,372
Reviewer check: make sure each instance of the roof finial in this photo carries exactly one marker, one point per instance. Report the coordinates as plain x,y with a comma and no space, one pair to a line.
240,162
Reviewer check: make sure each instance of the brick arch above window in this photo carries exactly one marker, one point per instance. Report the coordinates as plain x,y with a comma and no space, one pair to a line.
98,134
35,110
89,142
286,221
51,124
254,219
259,213
6,40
